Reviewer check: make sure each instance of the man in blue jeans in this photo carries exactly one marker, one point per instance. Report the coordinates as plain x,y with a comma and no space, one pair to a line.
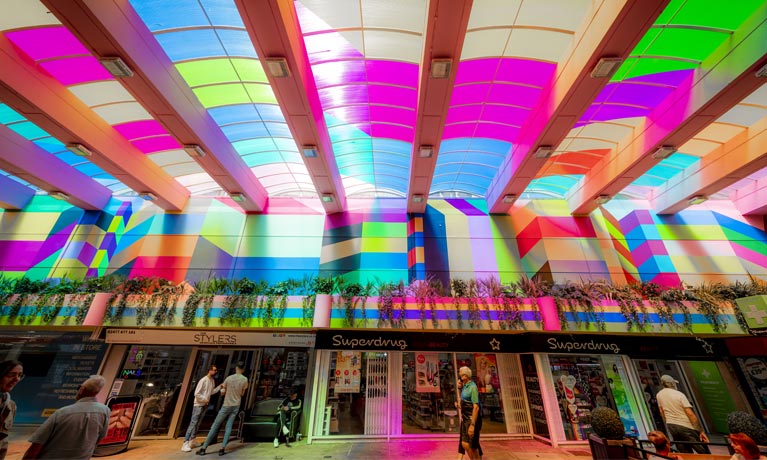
205,388
233,389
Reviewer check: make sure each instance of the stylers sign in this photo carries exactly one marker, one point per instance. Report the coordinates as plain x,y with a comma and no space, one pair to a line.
427,373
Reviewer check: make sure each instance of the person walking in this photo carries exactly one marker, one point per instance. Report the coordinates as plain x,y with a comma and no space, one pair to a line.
11,373
202,392
233,388
284,413
471,421
73,431
461,450
681,421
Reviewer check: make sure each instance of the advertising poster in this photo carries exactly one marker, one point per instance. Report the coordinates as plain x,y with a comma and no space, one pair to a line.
487,373
121,420
427,373
348,364
624,403
755,370
714,392
534,396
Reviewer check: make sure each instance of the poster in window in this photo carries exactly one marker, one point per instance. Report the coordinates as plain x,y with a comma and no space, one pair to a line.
427,373
487,373
121,420
348,365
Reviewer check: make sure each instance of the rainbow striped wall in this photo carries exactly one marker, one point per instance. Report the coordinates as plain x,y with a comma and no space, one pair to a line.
378,240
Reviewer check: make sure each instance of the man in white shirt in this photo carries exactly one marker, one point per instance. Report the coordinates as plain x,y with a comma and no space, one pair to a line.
201,399
234,388
681,421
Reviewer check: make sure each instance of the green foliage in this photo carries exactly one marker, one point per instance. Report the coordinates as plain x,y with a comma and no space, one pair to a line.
607,424
743,422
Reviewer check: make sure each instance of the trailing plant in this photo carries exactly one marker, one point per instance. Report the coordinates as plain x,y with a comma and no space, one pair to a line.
490,291
386,304
459,290
305,289
436,291
166,300
349,297
82,304
24,288
275,303
709,305
533,288
400,292
472,295
420,291
632,306
511,301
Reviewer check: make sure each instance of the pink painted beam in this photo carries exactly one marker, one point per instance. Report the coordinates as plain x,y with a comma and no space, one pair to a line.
752,200
52,107
13,195
447,21
738,158
614,31
273,27
112,28
724,79
25,160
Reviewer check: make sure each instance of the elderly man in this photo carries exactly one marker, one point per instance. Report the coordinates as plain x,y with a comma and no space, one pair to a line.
73,431
680,419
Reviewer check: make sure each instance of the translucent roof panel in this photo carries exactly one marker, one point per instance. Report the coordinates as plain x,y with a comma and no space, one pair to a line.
208,43
28,130
365,58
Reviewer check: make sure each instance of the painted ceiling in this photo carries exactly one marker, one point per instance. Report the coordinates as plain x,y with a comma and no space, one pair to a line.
328,100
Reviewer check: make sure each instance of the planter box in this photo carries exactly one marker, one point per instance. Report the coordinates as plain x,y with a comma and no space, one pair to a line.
71,313
608,449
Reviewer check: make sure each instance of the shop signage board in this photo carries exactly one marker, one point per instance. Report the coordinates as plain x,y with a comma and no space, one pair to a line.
213,338
640,346
714,392
754,310
123,410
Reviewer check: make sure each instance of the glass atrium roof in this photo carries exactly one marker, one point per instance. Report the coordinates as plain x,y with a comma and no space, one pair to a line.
520,112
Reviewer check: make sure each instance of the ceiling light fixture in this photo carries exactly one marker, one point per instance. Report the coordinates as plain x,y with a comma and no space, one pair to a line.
510,198
440,68
310,151
697,199
418,198
277,67
426,151
59,195
762,72
79,149
544,151
606,66
116,66
602,199
237,197
148,196
664,151
327,198
194,150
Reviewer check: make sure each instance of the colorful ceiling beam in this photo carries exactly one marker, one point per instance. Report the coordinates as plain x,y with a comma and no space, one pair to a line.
725,74
23,158
613,31
13,195
46,102
743,154
114,29
273,27
750,200
445,31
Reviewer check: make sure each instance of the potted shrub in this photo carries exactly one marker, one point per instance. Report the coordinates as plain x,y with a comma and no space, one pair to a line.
609,438
743,422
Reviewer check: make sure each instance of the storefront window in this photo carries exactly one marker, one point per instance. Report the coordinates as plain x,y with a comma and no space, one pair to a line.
156,373
280,370
581,386
755,371
534,395
484,368
429,393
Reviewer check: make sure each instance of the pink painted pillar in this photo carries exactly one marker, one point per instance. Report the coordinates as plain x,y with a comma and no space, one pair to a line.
95,316
549,315
323,307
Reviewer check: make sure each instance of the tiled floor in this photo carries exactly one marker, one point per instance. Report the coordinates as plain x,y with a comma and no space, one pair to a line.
445,449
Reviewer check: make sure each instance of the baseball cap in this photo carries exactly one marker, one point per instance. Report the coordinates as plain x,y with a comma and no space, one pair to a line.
668,379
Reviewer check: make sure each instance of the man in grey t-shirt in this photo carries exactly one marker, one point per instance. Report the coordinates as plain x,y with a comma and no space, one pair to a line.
234,388
73,431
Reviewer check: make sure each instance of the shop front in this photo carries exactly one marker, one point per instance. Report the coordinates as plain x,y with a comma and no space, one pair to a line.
749,358
164,366
403,384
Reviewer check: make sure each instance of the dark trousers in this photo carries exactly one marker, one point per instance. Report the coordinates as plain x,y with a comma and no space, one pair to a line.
682,433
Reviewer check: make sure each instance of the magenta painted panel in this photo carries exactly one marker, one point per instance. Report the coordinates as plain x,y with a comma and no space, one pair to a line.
470,94
393,95
505,114
156,144
463,113
339,96
73,71
673,78
339,73
495,131
329,46
606,112
392,115
140,128
459,130
47,42
395,73
535,73
476,70
523,96
400,133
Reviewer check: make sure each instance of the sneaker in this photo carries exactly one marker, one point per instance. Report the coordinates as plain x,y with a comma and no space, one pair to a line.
287,442
186,447
221,452
276,442
285,430
200,452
